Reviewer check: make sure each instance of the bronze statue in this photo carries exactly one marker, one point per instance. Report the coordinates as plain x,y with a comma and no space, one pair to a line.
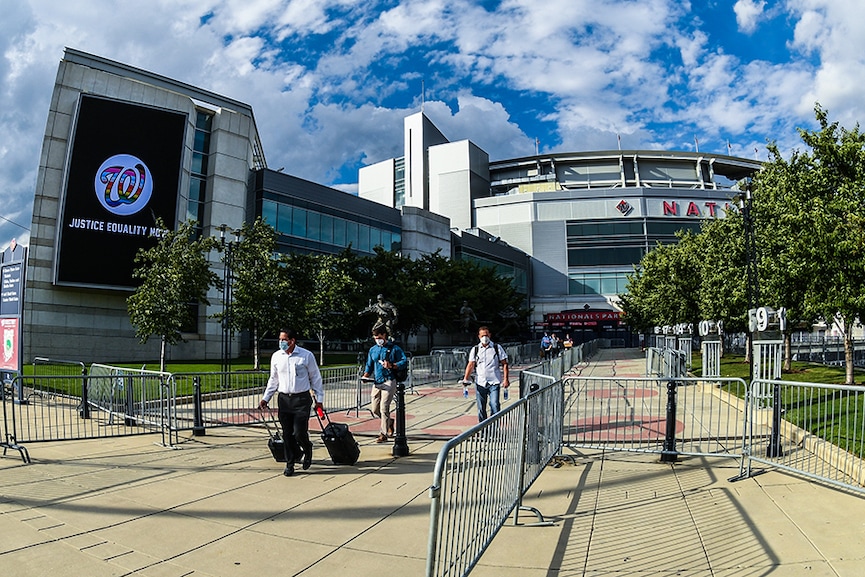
386,314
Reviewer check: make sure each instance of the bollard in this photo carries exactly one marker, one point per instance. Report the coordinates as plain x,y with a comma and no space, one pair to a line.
400,443
128,385
197,417
669,454
774,448
84,410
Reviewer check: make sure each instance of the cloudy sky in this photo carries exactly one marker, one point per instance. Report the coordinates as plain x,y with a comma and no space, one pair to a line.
330,81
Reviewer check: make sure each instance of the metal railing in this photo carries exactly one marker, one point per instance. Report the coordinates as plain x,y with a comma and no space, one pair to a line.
119,404
655,415
822,432
481,476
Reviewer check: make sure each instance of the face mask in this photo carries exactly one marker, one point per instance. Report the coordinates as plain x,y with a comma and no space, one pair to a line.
379,342
485,340
283,345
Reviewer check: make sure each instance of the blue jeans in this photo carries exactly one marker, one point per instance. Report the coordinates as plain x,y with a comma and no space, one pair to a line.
491,392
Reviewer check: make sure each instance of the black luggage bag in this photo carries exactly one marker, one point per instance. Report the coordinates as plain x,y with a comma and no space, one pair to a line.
274,440
340,443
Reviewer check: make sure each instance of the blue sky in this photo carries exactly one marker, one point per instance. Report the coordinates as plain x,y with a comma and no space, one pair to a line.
330,81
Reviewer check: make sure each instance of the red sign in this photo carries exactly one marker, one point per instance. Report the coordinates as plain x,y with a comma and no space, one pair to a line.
575,317
9,333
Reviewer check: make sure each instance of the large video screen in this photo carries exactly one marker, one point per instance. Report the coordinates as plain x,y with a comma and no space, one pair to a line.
123,173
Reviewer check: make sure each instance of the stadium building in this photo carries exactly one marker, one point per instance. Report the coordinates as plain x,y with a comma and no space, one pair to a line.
585,218
124,146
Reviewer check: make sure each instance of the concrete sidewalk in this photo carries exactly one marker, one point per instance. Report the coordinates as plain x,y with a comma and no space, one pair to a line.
219,506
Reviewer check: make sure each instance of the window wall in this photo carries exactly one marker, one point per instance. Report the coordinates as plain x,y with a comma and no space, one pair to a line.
329,230
199,168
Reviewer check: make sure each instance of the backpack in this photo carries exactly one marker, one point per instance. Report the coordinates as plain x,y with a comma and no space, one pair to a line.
495,351
400,374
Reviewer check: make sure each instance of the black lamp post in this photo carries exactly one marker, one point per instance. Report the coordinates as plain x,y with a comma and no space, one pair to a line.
227,280
753,292
400,441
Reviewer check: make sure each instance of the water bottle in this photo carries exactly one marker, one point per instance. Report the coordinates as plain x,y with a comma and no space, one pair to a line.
465,392
506,394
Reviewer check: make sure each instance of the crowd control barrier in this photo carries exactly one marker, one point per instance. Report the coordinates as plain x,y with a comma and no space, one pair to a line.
481,476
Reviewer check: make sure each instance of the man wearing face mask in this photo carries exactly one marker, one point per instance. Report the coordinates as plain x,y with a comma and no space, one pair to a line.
293,375
381,363
490,362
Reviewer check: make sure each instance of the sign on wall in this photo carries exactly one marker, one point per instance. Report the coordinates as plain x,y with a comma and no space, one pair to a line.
123,172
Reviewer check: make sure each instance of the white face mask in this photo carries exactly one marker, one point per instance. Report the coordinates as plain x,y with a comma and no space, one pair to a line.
379,342
485,340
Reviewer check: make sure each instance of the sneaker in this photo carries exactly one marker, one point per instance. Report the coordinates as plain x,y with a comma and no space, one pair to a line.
307,461
381,438
289,471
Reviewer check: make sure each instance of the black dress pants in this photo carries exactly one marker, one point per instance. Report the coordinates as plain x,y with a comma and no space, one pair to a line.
294,418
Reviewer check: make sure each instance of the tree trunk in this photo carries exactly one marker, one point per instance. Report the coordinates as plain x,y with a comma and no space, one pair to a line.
848,357
788,351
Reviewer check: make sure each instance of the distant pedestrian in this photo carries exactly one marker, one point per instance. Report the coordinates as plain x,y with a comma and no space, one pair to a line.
294,374
381,363
545,345
489,362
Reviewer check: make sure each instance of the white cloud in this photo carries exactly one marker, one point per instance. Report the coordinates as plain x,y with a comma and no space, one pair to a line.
748,13
331,80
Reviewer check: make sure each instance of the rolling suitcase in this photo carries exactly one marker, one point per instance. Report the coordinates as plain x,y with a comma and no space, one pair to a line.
274,440
340,443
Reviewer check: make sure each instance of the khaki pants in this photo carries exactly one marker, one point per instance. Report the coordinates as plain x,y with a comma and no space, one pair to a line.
381,400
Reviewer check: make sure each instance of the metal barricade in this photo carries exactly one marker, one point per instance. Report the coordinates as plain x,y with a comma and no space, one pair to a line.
481,476
821,436
120,403
655,415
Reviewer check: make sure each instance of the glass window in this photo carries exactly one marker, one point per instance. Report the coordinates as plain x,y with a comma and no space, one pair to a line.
313,225
351,235
298,222
199,163
609,285
203,120
327,229
339,232
283,223
363,238
268,213
196,189
200,143
192,211
375,237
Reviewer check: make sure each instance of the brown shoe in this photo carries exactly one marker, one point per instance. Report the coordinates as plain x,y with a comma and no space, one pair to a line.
381,438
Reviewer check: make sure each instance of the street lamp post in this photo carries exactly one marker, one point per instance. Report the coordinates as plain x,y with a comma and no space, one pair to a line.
400,441
753,292
228,247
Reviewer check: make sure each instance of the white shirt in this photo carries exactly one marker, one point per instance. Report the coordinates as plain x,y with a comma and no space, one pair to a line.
488,368
294,373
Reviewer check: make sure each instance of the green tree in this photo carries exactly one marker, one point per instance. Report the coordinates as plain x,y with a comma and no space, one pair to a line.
258,285
327,286
833,217
784,276
175,278
664,288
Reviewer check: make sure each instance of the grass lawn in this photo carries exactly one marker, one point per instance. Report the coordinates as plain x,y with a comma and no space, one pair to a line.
734,366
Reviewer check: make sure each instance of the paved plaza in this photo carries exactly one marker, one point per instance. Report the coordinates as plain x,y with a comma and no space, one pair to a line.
218,505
